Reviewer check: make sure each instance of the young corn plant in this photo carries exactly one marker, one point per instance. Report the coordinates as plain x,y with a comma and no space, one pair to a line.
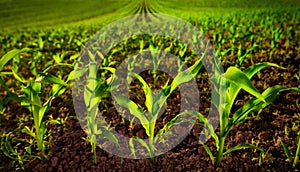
9,144
288,152
95,90
276,35
32,100
154,103
242,56
32,95
237,80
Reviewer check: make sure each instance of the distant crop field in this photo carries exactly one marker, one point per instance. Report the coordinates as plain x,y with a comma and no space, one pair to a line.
62,108
19,13
35,13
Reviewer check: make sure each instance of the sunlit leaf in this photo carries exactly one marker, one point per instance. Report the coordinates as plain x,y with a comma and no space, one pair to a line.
10,55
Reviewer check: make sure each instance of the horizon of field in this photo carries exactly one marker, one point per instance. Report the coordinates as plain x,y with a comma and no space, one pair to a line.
18,14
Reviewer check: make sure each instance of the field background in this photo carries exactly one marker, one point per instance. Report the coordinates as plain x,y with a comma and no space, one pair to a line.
16,14
242,32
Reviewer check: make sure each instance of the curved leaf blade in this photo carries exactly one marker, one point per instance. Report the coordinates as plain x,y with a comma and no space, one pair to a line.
148,94
286,151
240,79
10,55
134,110
242,146
233,89
255,104
208,151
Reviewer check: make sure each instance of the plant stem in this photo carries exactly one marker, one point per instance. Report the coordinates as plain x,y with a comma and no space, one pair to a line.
296,159
151,146
219,156
36,117
94,152
151,142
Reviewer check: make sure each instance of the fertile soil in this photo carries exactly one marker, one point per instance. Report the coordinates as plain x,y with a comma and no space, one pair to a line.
70,152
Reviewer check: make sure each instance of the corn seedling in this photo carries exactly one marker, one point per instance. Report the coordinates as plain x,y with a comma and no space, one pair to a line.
32,95
154,103
236,80
241,56
95,90
32,100
8,147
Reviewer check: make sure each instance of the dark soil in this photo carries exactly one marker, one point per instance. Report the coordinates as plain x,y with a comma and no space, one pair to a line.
68,151
71,153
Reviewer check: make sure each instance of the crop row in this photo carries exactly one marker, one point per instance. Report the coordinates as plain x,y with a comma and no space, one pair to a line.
37,67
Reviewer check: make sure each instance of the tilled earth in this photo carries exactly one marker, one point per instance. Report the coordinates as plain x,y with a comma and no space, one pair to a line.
278,121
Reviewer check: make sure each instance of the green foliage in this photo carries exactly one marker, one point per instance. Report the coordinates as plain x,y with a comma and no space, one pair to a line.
288,152
18,158
32,95
32,100
240,36
154,104
237,80
55,13
95,90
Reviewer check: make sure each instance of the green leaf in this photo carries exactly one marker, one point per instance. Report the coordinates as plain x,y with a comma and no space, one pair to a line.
9,147
131,146
10,55
77,73
28,150
5,149
209,127
26,102
242,146
41,136
174,121
92,56
233,89
110,136
52,79
286,151
102,90
27,131
148,93
57,90
186,75
240,79
75,56
42,112
249,72
112,70
40,43
261,156
100,55
255,104
16,97
36,87
143,143
55,122
18,76
32,92
208,151
297,154
182,51
134,110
